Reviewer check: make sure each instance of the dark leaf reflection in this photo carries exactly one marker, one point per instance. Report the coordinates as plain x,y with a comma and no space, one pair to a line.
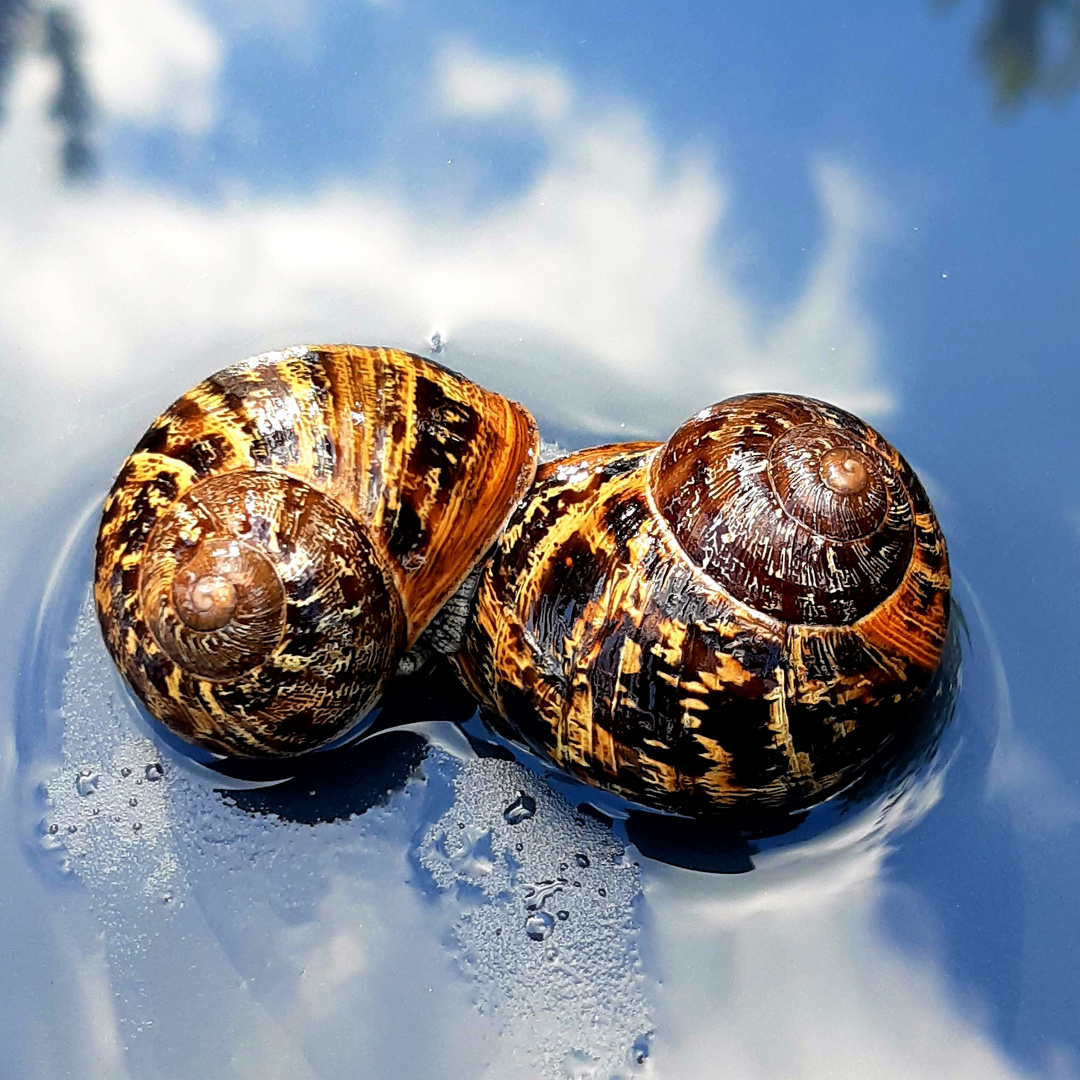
71,107
56,30
1030,47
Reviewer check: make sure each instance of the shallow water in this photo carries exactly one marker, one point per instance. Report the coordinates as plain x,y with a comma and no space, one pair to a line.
460,917
618,222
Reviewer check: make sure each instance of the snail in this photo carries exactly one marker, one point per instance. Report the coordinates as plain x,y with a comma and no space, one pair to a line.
741,618
285,531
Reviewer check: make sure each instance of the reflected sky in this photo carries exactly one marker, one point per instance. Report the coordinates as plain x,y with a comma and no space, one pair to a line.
617,221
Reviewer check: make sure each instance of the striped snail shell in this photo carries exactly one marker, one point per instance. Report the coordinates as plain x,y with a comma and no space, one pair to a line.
741,617
285,531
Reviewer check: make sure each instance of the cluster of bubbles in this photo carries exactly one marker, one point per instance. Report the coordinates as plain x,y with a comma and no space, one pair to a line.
547,896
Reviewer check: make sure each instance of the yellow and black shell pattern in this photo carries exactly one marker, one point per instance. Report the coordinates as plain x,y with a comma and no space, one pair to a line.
742,617
284,532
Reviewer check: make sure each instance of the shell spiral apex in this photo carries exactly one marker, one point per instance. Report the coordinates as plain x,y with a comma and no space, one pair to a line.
286,530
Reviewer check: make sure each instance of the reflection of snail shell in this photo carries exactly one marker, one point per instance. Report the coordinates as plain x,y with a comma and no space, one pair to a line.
743,616
285,531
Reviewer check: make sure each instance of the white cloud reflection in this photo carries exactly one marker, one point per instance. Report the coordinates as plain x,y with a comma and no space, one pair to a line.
604,296
152,62
473,84
786,972
600,294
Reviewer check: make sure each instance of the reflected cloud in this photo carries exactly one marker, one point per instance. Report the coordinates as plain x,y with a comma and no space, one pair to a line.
152,63
810,988
473,84
601,294
810,984
605,295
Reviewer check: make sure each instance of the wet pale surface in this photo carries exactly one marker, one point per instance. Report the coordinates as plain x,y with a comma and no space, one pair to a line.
617,223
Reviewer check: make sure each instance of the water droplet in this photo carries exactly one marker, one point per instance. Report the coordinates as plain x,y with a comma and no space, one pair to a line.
133,801
498,931
86,783
54,829
536,896
154,771
582,860
437,338
539,925
602,891
641,1049
125,772
521,809
519,847
473,856
73,828
136,826
166,898
563,866
563,915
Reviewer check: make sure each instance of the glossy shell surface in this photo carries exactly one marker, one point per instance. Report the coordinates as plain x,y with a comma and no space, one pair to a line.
285,530
698,626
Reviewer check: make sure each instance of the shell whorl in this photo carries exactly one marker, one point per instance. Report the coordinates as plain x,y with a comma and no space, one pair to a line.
744,618
311,626
797,508
288,528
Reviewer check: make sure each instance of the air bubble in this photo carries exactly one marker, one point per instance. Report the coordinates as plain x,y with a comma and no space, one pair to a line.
641,1049
54,829
521,809
125,772
582,860
133,801
562,915
86,783
154,771
539,925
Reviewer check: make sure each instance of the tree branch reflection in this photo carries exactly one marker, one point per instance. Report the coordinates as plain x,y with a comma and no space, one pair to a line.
1030,47
56,32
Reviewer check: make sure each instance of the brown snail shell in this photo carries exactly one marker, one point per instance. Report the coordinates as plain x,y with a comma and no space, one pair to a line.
741,617
284,532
